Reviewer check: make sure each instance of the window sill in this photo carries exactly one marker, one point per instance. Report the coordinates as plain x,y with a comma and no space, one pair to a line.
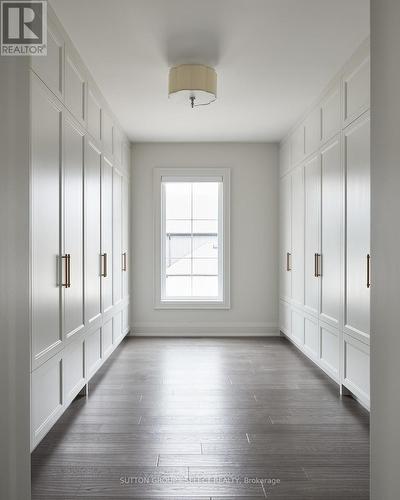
192,305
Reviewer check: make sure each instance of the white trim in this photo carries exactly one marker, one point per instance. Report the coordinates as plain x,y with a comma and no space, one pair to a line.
205,329
185,174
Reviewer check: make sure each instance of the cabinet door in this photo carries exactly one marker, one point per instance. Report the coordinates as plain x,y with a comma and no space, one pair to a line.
106,234
46,129
331,237
312,191
125,237
73,227
94,115
50,67
106,132
117,237
297,261
92,230
285,237
312,131
75,87
358,207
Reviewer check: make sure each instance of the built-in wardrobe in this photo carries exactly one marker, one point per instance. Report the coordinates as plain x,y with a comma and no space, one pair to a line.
325,262
79,230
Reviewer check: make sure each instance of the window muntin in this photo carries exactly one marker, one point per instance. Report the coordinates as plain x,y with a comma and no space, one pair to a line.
192,239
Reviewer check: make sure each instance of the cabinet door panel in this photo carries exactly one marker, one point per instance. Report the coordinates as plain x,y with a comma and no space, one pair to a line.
312,130
125,236
298,145
285,236
297,263
329,350
311,337
298,328
285,318
74,369
331,239
73,226
106,234
106,132
46,397
75,88
92,352
126,157
94,115
92,237
358,207
125,320
46,127
330,114
50,67
117,327
357,89
117,237
107,338
312,190
356,368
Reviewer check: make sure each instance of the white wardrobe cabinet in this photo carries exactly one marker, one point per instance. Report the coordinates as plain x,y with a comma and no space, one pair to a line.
106,235
72,214
79,230
358,278
325,261
46,136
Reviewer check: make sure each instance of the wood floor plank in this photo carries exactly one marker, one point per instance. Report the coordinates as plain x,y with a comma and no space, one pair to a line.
205,419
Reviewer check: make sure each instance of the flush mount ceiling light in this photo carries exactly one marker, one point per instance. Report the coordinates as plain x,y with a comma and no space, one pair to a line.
193,83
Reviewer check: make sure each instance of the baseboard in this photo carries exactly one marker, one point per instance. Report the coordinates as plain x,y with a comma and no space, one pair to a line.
205,330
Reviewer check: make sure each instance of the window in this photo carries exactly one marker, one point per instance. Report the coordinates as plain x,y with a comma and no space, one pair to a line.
192,231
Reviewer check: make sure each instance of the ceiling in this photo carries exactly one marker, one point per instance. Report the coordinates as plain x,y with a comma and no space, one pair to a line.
273,58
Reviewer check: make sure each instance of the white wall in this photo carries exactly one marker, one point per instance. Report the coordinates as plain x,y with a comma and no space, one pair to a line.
385,319
254,238
14,271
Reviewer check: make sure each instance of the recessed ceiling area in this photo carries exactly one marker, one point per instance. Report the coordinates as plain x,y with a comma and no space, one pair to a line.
273,58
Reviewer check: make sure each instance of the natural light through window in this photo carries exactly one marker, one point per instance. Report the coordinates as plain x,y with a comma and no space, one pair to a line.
192,239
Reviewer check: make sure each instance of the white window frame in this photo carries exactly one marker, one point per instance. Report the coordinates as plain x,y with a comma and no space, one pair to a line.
191,175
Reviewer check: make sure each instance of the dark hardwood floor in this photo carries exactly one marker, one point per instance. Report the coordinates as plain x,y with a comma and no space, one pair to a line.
207,419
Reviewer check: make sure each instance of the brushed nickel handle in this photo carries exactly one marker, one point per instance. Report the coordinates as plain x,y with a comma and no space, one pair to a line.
315,265
124,267
67,270
318,265
104,272
288,261
368,270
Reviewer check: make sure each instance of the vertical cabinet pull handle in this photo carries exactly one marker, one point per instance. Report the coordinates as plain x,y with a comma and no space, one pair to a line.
368,270
124,261
317,265
288,263
104,271
67,270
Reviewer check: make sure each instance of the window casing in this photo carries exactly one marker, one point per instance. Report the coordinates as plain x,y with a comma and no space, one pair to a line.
191,238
